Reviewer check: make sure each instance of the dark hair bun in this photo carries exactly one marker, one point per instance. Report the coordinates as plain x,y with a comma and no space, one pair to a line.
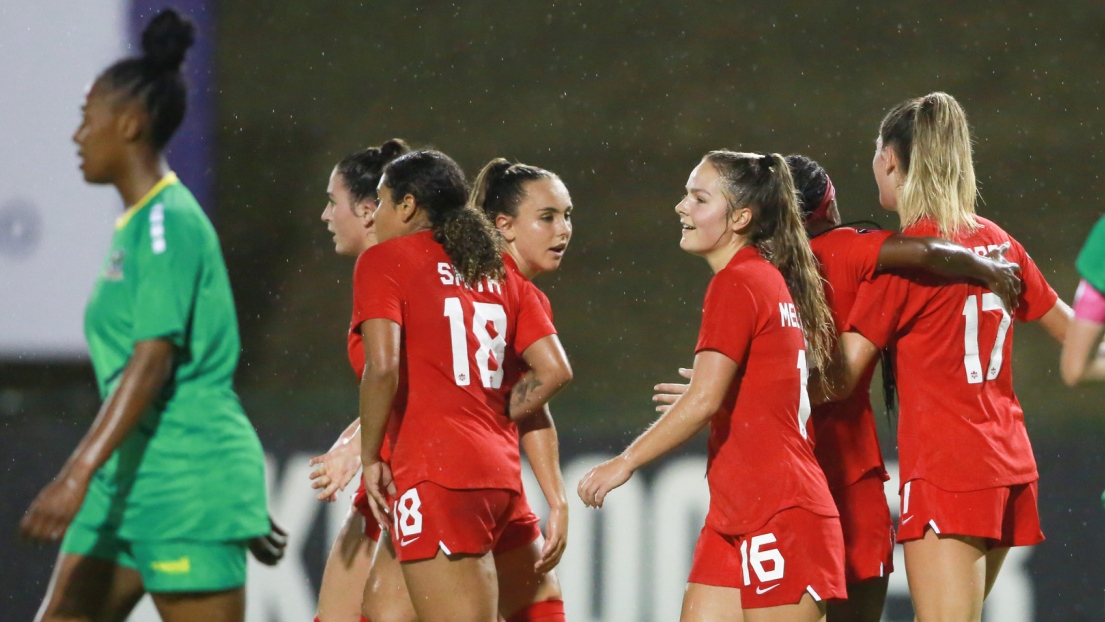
165,40
393,149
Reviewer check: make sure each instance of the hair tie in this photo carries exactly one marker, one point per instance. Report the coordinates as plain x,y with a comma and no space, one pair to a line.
822,210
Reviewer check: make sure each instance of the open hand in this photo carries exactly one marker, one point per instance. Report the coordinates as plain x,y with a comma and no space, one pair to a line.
334,470
668,392
1005,277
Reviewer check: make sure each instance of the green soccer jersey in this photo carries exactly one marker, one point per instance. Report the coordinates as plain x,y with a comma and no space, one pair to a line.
1091,261
193,468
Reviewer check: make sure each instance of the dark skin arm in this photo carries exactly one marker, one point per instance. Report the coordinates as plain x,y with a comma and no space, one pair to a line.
145,375
857,353
951,260
548,373
379,384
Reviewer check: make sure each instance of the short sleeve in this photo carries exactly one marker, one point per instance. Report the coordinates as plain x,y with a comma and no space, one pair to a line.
729,318
863,253
1091,260
1037,297
169,261
877,313
534,320
376,287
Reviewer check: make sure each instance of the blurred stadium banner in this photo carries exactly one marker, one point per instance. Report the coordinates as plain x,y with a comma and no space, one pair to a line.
54,228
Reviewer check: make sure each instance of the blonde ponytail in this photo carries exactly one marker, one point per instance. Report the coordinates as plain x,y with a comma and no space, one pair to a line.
932,140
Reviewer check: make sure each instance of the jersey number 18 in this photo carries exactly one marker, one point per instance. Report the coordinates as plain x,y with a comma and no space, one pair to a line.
492,347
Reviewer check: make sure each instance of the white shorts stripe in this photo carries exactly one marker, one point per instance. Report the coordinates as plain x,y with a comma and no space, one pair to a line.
905,499
809,588
932,523
444,548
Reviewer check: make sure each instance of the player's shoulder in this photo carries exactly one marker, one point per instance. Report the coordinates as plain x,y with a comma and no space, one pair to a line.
843,237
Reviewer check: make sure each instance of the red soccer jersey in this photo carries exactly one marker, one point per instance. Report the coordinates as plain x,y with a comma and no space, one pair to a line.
846,441
454,431
760,461
961,427
515,366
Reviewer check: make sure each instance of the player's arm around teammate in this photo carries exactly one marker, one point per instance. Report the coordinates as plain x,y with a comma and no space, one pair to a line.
164,352
968,490
771,548
532,209
454,468
1083,359
347,591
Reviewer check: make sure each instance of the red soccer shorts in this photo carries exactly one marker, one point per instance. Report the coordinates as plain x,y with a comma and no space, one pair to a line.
868,528
1005,516
522,528
430,518
795,553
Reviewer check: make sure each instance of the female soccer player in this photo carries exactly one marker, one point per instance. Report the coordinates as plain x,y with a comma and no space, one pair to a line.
846,438
351,199
532,210
442,316
169,480
967,470
1083,359
771,548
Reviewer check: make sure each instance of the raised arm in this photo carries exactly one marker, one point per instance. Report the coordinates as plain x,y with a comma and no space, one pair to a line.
549,372
542,447
713,372
149,368
951,260
378,387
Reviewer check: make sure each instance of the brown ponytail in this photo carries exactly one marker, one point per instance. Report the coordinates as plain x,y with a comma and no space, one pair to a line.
763,182
932,140
500,186
438,186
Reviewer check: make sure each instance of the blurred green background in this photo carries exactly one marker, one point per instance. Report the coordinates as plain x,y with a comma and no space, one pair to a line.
621,99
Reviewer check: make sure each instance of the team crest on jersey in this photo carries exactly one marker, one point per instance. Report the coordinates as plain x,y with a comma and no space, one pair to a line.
113,271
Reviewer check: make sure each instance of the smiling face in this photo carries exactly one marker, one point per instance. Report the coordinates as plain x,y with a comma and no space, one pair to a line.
887,171
350,221
707,228
539,234
100,138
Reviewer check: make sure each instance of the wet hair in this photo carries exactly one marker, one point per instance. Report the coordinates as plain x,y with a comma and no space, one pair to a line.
932,141
438,186
501,186
810,180
361,171
154,78
762,182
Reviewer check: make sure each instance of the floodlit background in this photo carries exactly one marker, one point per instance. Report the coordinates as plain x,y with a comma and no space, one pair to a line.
621,99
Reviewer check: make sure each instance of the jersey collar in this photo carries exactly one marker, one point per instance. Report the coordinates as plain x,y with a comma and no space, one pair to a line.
169,179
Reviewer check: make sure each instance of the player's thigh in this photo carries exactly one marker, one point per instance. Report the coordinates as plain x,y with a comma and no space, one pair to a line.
865,603
347,568
458,588
385,597
88,588
995,557
947,576
222,606
519,584
710,603
805,610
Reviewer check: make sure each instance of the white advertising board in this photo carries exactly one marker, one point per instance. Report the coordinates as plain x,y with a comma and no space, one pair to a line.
54,228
